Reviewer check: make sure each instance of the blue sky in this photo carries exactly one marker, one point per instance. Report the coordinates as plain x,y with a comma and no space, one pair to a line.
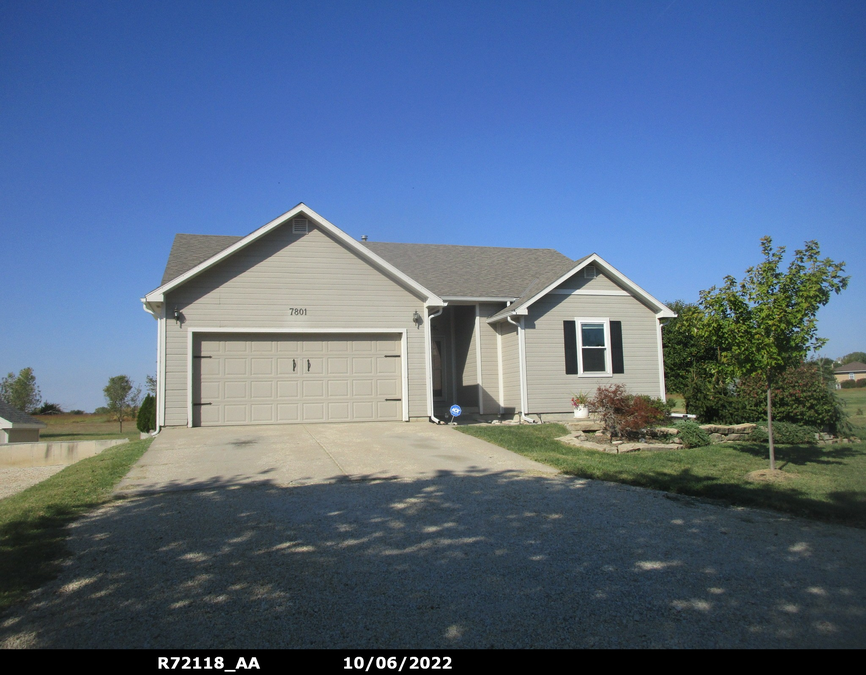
667,137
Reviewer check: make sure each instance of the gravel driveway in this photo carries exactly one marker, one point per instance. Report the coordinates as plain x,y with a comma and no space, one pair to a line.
480,557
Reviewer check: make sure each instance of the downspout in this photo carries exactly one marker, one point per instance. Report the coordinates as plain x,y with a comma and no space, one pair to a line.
522,367
428,339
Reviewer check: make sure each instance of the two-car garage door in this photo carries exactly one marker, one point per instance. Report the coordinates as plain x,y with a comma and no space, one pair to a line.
278,378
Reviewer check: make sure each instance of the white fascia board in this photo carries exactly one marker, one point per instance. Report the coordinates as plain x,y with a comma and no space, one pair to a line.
499,316
152,308
662,310
158,295
474,299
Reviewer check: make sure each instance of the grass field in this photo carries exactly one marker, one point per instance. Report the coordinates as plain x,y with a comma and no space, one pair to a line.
855,406
32,535
67,427
822,482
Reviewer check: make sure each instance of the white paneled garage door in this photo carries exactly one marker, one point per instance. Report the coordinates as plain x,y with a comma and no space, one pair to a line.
278,379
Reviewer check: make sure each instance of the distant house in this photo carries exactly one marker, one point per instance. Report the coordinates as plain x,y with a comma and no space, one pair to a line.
850,371
16,426
299,322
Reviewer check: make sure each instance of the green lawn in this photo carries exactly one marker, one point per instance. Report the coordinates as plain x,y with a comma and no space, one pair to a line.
855,406
32,538
826,482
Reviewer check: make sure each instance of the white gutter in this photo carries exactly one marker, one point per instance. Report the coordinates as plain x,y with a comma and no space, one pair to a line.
521,351
149,308
428,363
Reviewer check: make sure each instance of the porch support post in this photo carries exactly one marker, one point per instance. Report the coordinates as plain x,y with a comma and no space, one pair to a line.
478,368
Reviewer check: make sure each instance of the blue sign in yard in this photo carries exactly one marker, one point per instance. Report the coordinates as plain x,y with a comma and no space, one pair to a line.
456,411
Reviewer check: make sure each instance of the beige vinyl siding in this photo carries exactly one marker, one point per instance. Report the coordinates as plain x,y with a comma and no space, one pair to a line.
489,358
257,287
465,355
580,282
549,388
510,366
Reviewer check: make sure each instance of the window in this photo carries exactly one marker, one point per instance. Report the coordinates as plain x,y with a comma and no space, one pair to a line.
593,347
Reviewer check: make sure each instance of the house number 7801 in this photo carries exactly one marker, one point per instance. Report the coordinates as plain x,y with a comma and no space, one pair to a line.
297,311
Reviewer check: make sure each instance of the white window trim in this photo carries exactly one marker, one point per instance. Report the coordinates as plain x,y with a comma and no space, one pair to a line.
608,368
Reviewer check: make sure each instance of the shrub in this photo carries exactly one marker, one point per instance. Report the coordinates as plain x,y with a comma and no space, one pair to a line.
784,432
849,384
714,403
76,412
49,409
861,382
800,396
146,420
691,434
625,414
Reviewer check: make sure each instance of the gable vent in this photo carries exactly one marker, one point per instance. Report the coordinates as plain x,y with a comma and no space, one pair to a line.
590,272
300,226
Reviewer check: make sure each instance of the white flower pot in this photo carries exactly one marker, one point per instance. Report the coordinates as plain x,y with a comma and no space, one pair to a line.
581,412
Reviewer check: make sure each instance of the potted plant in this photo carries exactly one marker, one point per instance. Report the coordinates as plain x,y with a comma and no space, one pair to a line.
579,401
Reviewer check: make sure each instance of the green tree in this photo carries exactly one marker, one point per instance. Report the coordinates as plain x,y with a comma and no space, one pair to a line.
768,322
686,350
852,357
121,396
824,367
21,391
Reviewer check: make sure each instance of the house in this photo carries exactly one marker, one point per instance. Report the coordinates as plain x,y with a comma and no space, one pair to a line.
299,322
850,371
16,426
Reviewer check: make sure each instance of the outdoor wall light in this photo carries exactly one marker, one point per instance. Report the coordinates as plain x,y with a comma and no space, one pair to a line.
176,315
416,319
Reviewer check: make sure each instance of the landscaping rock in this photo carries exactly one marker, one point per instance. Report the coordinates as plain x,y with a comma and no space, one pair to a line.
728,429
585,425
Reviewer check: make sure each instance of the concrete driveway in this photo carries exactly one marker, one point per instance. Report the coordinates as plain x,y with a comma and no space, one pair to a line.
305,454
411,536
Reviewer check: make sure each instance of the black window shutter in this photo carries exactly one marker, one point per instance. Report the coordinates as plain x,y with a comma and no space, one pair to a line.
616,359
570,335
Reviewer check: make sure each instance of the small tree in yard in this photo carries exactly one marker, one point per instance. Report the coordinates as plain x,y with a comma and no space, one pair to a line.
121,396
768,322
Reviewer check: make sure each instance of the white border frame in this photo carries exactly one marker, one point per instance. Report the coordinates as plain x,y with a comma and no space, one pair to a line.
608,372
404,357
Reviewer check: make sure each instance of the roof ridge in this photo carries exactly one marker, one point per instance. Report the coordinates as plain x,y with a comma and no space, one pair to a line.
498,248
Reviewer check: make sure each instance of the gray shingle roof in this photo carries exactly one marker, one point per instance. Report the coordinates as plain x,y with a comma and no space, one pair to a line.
472,271
452,271
188,250
10,414
544,280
